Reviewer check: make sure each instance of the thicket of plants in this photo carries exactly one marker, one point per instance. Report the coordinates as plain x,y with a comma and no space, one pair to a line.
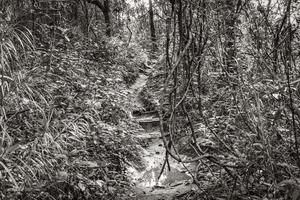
228,90
65,113
226,84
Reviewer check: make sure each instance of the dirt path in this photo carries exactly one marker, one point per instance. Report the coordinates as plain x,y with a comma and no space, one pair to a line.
171,183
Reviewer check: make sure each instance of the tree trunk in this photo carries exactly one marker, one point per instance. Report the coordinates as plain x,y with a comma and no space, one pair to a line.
152,27
106,13
105,8
230,49
33,16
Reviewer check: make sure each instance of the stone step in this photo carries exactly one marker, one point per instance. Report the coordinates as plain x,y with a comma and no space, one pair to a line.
149,123
149,136
148,119
139,113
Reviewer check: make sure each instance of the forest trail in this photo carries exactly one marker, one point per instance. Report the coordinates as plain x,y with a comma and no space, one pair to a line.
171,184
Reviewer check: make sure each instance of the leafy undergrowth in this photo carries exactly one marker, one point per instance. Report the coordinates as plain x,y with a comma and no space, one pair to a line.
246,144
66,126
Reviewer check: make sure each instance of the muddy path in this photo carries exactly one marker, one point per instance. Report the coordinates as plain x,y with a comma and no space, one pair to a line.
150,182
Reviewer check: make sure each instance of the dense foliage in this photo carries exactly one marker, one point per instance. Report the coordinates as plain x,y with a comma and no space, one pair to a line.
230,83
65,114
225,84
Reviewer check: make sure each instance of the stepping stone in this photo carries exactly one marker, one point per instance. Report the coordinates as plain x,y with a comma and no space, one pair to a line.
148,119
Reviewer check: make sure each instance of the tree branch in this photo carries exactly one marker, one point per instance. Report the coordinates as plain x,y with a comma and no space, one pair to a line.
97,3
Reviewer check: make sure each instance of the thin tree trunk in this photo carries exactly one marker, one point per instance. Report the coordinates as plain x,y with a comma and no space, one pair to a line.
288,71
106,13
152,27
33,16
230,37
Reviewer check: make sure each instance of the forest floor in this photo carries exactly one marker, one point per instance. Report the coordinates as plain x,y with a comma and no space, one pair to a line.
156,179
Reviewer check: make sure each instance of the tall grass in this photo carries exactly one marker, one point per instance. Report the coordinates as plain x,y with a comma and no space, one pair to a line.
59,136
14,42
